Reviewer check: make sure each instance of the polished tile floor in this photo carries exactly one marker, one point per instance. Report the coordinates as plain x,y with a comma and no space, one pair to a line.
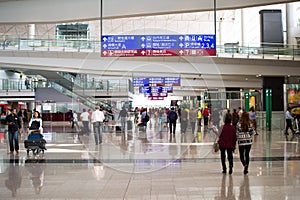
151,165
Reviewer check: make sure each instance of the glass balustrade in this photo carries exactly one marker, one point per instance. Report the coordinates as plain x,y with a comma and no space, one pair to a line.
110,86
40,43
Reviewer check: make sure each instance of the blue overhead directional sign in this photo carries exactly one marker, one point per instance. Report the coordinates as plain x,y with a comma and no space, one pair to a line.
197,41
158,41
145,90
157,81
172,81
120,42
140,82
152,42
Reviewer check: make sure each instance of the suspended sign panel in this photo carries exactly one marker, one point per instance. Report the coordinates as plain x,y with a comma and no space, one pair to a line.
158,45
156,81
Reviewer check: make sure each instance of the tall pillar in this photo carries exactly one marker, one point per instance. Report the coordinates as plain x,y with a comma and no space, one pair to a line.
31,31
275,83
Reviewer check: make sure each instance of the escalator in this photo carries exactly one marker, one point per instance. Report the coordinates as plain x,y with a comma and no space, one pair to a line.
65,83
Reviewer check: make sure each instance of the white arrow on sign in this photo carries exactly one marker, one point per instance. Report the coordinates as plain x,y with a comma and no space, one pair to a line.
181,52
143,53
104,46
105,53
181,45
143,45
105,39
143,38
180,37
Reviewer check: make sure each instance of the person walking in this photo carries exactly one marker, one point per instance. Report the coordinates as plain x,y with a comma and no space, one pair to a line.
172,118
199,118
288,120
206,114
36,122
244,138
23,117
144,118
85,118
193,119
75,116
184,119
97,120
235,117
240,111
14,128
123,115
71,116
252,115
227,142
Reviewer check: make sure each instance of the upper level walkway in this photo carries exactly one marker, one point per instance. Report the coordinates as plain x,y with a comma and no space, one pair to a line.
233,66
229,50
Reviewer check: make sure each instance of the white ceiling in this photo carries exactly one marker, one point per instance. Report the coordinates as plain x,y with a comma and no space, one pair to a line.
53,11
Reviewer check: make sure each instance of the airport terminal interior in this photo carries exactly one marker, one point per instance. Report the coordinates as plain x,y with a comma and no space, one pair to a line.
68,59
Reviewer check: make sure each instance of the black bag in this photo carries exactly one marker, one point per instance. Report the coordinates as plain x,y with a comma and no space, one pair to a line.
172,116
35,125
118,129
147,118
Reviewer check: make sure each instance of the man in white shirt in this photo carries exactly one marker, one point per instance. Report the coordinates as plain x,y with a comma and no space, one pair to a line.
97,120
288,119
85,118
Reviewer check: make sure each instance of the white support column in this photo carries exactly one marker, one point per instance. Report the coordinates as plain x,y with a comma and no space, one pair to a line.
31,31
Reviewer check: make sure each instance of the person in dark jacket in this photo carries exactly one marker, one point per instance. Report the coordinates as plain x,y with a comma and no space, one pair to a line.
235,118
172,118
123,115
227,141
14,127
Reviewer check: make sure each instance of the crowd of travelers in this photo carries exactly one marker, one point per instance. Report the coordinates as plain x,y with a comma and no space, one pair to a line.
233,129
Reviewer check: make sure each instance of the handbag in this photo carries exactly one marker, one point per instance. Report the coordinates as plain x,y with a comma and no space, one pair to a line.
35,125
216,146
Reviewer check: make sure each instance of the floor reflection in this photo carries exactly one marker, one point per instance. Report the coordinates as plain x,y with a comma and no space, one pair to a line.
14,175
36,169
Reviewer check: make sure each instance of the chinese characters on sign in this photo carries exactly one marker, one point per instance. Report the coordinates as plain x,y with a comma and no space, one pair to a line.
156,88
158,45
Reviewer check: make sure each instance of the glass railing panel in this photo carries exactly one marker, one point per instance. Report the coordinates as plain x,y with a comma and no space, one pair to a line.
14,84
87,83
39,43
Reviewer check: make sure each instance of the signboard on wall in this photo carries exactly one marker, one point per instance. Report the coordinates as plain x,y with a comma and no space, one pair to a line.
156,81
158,45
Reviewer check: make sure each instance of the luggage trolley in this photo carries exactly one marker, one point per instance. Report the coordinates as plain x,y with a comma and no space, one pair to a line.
35,143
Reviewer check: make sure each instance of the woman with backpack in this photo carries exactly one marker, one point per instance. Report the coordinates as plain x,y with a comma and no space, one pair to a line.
172,118
145,117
